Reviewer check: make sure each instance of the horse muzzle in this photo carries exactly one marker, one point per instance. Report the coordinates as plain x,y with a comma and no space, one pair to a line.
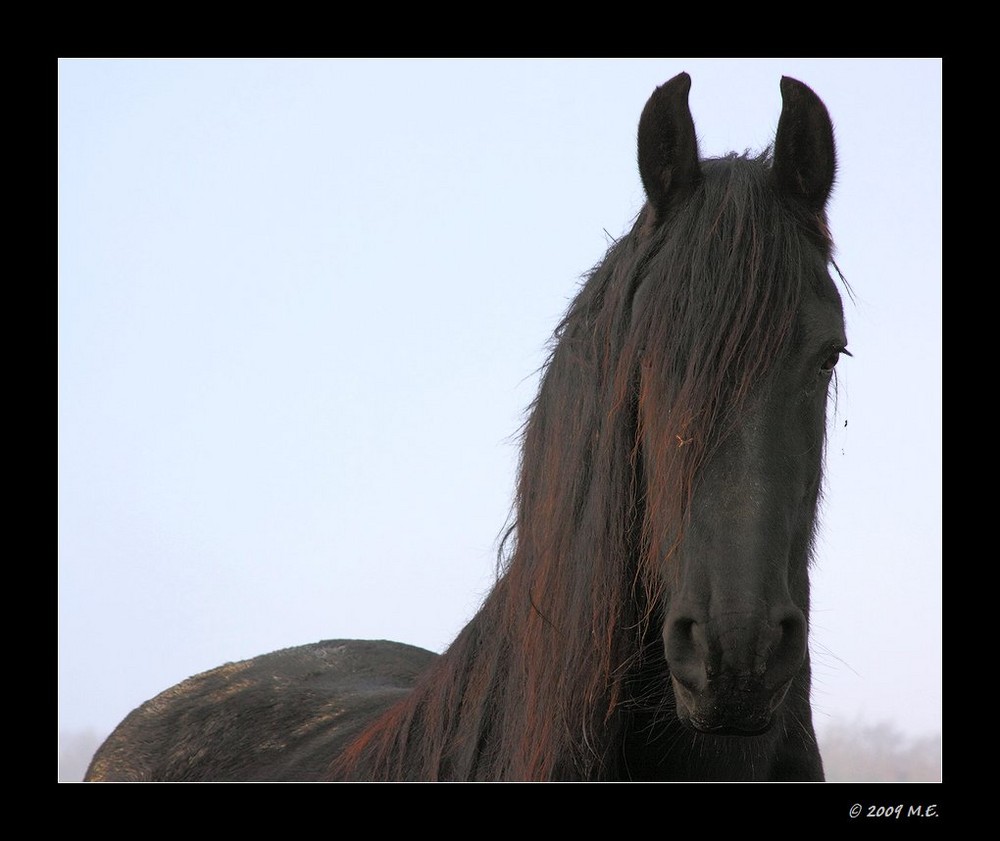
731,674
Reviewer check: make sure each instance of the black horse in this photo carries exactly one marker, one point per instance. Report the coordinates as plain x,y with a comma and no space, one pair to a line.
651,618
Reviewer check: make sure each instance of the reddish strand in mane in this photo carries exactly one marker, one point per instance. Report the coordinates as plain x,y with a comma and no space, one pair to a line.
656,358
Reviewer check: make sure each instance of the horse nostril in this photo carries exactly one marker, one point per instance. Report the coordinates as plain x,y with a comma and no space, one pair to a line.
684,630
791,626
685,648
680,638
789,646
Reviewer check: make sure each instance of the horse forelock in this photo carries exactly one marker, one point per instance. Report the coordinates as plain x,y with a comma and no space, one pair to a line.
713,319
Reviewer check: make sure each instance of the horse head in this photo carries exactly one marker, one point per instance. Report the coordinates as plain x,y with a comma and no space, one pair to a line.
732,410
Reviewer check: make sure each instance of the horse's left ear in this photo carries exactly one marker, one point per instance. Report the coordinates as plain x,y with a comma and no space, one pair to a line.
804,156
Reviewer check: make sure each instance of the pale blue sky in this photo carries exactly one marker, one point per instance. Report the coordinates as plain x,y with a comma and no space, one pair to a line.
302,307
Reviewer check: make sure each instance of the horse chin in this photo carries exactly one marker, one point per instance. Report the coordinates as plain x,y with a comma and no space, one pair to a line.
727,730
713,713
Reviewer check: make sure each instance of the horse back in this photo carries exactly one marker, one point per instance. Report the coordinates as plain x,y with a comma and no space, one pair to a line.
280,716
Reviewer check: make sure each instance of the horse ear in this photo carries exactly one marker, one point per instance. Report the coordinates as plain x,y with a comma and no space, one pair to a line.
804,157
668,147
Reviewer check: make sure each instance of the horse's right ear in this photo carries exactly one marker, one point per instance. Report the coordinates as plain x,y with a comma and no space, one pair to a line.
668,147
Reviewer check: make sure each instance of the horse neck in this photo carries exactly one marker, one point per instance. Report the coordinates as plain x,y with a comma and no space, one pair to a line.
535,686
498,704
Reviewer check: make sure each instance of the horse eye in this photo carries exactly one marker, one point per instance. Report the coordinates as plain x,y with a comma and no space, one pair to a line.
831,361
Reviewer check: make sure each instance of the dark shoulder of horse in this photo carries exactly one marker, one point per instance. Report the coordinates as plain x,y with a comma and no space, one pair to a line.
652,616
